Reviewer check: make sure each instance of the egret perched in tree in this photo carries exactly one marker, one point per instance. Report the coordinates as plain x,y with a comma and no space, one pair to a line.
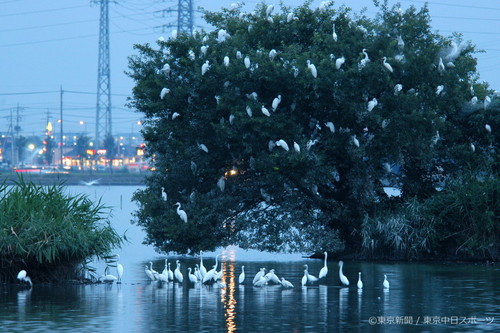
163,194
166,69
311,143
439,89
177,272
249,111
264,111
397,88
276,102
339,62
386,283
182,214
296,147
312,68
204,49
487,102
203,147
331,126
238,55
488,128
164,92
441,65
272,54
191,55
282,144
334,34
23,276
401,43
472,147
360,283
174,34
222,35
473,100
221,184
324,271
355,141
386,64
363,62
175,115
269,10
247,62
286,283
372,104
205,67
241,278
342,277
226,61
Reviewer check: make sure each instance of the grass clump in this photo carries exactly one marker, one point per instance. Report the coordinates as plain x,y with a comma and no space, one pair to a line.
51,234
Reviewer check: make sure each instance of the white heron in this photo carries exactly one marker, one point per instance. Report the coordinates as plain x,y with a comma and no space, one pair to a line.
439,89
342,277
397,88
239,55
231,119
182,214
310,278
372,104
226,61
312,68
334,34
166,69
355,141
269,10
249,111
170,274
487,102
472,147
330,126
271,276
401,43
303,281
203,147
205,67
360,283
191,276
203,270
119,272
311,143
164,92
265,111
296,147
259,274
363,62
281,143
324,271
276,102
23,276
247,62
487,127
149,274
221,184
90,183
387,65
286,283
197,273
108,278
204,49
177,272
209,275
262,281
272,54
175,115
191,55
165,269
474,100
241,278
386,283
339,62
441,67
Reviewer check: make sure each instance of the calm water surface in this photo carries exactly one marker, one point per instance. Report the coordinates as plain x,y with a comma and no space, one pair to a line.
421,298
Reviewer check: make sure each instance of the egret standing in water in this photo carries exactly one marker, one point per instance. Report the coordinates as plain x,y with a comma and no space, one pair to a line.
386,283
360,283
324,271
23,276
241,278
119,271
342,277
177,272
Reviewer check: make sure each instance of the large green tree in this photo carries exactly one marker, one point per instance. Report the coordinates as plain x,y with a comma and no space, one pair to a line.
272,132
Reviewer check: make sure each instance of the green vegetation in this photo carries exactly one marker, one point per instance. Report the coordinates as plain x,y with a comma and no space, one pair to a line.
49,233
217,151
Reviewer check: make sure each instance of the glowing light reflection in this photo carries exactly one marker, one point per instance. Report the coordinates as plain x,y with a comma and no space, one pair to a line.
227,296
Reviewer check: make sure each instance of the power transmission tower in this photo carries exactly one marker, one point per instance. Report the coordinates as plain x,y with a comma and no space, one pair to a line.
185,17
103,107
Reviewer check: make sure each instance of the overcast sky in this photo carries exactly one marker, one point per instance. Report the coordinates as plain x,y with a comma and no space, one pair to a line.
46,45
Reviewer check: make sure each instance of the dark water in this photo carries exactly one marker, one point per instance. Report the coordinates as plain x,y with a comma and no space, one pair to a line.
421,298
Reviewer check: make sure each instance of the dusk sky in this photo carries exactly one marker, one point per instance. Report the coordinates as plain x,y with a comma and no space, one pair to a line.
46,45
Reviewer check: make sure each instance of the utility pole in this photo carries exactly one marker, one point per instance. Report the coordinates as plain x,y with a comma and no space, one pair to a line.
17,128
61,125
103,107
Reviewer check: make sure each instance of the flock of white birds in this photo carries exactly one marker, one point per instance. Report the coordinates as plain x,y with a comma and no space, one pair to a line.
445,62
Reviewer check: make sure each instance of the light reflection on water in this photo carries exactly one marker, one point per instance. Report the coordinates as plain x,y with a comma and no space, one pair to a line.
139,306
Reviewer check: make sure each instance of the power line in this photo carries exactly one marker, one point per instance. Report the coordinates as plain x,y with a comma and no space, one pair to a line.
41,11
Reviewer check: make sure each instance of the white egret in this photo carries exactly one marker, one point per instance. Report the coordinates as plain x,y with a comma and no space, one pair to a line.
339,62
487,127
310,278
269,10
342,277
259,274
487,102
174,34
286,283
311,143
162,277
262,281
221,184
222,35
355,141
401,43
271,276
281,143
360,283
363,62
204,49
205,67
247,62
397,88
324,271
272,54
107,278
119,272
265,111
253,96
175,115
334,34
231,119
295,71
203,147
472,147
387,167
304,278
331,126
170,274
149,274
209,275
289,17
249,111
191,276
203,270
386,283
441,65
23,276
165,269
296,147
372,104
164,92
312,68
387,65
241,278
276,102
166,69
197,273
177,272
182,214
226,61
191,55
474,100
439,89
238,55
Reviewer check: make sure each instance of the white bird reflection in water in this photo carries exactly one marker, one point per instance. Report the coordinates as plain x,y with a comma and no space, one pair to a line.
23,298
228,298
343,304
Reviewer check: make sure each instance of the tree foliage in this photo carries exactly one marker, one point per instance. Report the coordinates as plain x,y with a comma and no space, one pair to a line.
217,153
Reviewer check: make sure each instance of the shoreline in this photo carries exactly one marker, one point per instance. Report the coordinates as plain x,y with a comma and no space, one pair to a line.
84,179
